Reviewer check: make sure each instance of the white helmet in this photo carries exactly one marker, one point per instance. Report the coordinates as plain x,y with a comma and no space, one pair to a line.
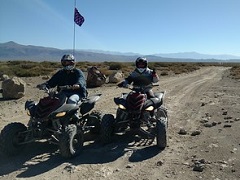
141,64
68,62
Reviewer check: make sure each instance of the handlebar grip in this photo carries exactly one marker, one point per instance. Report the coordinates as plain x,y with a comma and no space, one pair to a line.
65,87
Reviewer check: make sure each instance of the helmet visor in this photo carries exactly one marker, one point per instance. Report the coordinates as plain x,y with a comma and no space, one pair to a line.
141,64
68,63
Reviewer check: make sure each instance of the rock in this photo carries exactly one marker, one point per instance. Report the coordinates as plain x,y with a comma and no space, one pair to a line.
129,166
214,123
199,165
227,125
234,150
70,168
116,77
159,163
237,119
13,88
196,132
182,131
228,117
95,78
224,113
204,120
208,125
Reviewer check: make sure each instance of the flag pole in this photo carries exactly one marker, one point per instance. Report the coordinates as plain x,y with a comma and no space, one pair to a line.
78,19
74,28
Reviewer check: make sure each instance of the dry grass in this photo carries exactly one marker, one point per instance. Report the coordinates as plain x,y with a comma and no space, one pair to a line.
31,69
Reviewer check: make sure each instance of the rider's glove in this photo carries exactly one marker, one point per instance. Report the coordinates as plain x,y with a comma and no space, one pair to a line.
42,86
154,74
123,84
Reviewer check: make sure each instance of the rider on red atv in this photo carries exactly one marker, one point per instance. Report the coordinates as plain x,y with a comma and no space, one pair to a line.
143,72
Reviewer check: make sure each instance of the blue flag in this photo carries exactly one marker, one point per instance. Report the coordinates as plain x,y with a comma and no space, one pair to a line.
78,18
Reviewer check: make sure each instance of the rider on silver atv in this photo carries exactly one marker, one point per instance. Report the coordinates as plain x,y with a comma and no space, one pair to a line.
141,72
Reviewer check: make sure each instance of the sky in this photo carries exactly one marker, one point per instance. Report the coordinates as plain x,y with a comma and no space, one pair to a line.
137,26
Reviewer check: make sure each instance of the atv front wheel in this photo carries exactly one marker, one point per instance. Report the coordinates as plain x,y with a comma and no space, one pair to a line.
12,138
161,133
95,120
107,128
71,141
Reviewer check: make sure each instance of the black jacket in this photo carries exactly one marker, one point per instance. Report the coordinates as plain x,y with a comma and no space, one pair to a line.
63,77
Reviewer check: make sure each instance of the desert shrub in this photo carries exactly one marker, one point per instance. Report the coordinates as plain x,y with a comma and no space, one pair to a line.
4,69
50,65
115,66
235,72
164,73
29,68
153,65
106,72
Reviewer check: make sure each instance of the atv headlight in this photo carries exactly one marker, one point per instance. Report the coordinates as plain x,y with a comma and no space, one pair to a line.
150,108
28,112
121,106
61,114
30,107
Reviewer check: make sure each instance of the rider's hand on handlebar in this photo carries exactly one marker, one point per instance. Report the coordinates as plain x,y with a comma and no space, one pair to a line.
42,86
154,74
123,84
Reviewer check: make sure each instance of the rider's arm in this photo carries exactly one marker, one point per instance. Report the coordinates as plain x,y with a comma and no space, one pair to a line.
130,78
155,77
81,81
54,80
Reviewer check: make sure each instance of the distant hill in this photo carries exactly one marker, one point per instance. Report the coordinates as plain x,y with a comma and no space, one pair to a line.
14,51
195,55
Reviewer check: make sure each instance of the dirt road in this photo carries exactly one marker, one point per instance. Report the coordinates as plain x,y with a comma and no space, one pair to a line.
203,136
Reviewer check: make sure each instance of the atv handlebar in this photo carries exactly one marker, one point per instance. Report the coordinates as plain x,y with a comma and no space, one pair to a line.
142,87
67,87
132,87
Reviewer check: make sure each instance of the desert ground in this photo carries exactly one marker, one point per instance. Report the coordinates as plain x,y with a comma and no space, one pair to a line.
203,136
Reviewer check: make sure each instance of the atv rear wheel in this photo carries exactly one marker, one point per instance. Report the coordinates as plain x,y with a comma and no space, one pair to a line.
11,138
71,141
161,133
107,128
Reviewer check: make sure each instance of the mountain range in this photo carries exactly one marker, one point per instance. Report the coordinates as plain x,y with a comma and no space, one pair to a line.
14,51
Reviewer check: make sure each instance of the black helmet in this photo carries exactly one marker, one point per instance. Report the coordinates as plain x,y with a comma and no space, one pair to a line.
68,61
141,64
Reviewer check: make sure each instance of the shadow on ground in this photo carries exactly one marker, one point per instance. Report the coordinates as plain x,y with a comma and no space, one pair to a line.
39,158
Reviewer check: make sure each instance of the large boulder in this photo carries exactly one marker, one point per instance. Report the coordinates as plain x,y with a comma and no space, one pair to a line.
13,88
95,78
116,77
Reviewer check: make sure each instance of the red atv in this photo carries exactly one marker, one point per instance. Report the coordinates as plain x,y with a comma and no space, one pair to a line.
139,114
